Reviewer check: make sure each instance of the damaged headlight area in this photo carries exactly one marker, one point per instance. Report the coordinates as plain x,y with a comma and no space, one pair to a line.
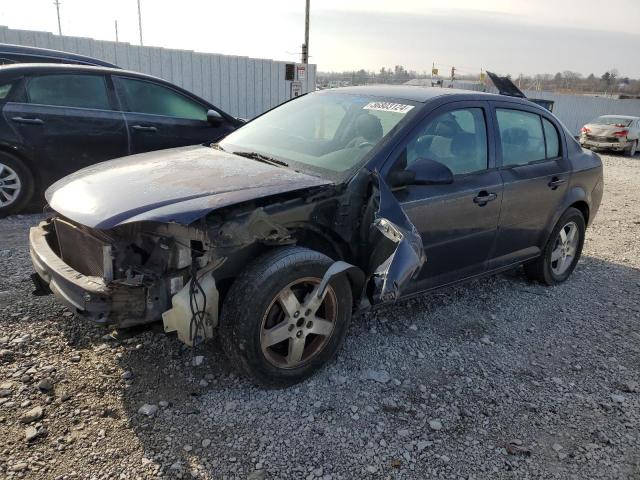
135,270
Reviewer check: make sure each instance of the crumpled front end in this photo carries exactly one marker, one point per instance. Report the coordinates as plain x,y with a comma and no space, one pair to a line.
121,277
147,271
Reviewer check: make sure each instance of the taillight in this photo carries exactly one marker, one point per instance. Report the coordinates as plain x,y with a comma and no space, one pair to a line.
585,130
621,133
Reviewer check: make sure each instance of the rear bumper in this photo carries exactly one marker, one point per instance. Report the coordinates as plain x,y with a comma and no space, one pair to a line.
618,146
88,296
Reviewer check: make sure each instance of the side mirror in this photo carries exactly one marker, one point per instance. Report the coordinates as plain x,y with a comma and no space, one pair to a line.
213,117
422,172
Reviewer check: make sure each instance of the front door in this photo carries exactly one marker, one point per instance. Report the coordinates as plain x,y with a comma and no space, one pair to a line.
159,117
458,222
535,173
67,122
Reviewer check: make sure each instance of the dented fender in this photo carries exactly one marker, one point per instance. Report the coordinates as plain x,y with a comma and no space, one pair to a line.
397,254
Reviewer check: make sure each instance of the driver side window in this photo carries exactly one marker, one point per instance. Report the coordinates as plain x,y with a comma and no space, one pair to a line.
457,139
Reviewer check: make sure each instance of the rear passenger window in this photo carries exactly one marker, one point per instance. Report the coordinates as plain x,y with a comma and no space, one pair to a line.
84,91
146,97
551,137
521,137
457,139
4,90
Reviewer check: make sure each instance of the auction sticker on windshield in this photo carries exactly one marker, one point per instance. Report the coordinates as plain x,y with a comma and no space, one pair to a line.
388,107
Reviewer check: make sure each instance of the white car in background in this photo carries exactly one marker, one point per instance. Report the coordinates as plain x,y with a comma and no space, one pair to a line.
612,132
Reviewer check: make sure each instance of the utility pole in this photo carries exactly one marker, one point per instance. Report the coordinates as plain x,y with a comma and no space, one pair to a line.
116,30
57,4
140,22
305,46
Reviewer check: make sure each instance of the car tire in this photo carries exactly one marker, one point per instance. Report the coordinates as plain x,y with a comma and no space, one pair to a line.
562,251
16,185
633,148
266,329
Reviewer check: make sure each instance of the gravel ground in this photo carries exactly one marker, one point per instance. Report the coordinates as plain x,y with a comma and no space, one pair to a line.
498,378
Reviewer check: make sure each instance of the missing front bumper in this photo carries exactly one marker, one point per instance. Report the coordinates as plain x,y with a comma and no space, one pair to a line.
88,296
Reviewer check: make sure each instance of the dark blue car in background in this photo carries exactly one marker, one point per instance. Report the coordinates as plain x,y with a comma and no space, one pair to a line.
58,118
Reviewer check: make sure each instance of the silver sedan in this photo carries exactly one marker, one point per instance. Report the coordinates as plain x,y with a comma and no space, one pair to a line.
619,133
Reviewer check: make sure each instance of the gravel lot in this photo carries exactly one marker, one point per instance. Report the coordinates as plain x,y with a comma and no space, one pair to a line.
498,378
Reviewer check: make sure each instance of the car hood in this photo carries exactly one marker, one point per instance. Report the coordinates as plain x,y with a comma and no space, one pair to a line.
178,185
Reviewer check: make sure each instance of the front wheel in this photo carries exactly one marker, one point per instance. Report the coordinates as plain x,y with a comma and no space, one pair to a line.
562,251
274,327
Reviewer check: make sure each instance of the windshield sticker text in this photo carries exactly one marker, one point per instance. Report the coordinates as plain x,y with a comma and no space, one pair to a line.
388,107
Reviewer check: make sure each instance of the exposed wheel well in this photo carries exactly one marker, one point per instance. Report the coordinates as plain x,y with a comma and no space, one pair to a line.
314,240
584,208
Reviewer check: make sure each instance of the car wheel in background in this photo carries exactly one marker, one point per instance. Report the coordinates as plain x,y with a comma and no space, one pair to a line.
562,252
633,148
274,328
16,185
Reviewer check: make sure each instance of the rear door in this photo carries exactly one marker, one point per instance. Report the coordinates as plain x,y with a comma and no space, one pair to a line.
160,117
67,121
535,171
457,222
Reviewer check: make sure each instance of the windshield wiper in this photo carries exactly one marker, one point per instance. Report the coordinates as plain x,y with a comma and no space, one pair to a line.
262,158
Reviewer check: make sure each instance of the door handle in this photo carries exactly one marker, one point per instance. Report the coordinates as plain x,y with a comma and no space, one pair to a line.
29,121
556,182
143,128
484,197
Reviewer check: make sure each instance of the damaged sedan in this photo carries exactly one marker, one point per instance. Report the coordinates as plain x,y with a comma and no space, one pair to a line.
333,202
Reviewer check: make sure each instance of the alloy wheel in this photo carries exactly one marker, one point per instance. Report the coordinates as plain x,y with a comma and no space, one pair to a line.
565,248
10,185
297,325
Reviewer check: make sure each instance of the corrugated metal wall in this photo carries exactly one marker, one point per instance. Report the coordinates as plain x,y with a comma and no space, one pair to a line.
576,110
241,86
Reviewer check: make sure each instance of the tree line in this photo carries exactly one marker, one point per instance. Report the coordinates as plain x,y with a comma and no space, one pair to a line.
609,82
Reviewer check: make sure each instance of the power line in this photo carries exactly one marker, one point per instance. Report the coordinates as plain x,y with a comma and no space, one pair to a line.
305,46
57,4
140,22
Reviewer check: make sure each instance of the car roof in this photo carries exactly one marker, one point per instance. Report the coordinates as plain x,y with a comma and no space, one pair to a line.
18,69
418,93
31,68
626,117
25,68
21,50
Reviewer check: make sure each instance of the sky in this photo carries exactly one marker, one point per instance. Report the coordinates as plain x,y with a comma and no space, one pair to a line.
505,36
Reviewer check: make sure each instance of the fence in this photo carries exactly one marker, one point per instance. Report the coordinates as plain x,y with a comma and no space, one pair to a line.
241,86
573,110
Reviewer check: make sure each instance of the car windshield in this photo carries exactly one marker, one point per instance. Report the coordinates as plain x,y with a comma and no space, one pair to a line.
616,121
324,134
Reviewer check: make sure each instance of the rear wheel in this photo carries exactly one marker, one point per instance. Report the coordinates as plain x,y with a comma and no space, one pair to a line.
633,148
273,326
16,185
562,252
